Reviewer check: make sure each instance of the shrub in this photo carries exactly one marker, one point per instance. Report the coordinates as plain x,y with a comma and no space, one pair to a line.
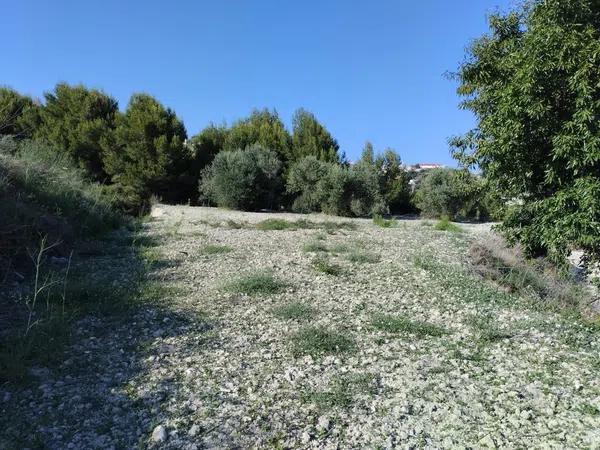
384,223
448,192
75,121
247,179
146,152
444,224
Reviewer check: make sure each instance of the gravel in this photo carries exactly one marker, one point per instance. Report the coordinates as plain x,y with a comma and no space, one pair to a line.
211,368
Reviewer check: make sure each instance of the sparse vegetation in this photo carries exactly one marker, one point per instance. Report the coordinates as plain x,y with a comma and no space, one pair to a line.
303,224
255,284
318,341
444,224
344,391
380,221
123,326
362,257
214,249
315,246
294,311
323,264
404,325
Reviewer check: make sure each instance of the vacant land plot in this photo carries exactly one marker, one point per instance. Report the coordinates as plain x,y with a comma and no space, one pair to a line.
320,334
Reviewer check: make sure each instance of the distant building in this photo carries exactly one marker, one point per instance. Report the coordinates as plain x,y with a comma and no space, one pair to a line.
420,167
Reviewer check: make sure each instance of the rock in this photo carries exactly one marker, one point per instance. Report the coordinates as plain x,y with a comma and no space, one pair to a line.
193,431
487,442
305,438
323,423
159,434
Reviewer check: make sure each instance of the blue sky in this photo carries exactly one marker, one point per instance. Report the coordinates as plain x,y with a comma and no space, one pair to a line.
368,70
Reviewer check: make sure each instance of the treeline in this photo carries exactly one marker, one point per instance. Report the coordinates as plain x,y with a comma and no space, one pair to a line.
255,163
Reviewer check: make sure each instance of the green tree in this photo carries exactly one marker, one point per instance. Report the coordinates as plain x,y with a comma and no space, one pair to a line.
248,179
146,151
448,192
206,144
75,120
393,182
310,138
303,178
19,114
533,82
262,127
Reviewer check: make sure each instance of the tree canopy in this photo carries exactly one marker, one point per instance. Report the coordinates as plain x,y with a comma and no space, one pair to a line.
75,120
19,114
262,127
310,138
533,83
146,150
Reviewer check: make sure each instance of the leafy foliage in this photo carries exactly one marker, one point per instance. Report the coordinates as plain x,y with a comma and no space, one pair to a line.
247,179
262,127
19,114
451,193
393,182
203,148
533,83
310,138
75,120
303,176
146,152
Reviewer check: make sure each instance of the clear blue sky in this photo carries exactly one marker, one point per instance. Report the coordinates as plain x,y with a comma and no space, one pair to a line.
367,69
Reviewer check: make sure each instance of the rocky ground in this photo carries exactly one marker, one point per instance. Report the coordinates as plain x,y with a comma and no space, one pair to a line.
349,337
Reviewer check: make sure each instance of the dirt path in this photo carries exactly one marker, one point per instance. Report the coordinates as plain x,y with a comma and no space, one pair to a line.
398,346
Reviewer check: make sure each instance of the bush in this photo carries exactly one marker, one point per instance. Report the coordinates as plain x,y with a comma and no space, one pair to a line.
444,224
451,193
247,179
350,191
380,221
146,154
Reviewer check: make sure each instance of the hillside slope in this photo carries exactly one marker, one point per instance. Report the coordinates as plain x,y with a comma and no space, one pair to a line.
270,331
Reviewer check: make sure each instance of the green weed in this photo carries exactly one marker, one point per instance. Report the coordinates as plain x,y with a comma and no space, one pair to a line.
318,341
255,284
294,311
